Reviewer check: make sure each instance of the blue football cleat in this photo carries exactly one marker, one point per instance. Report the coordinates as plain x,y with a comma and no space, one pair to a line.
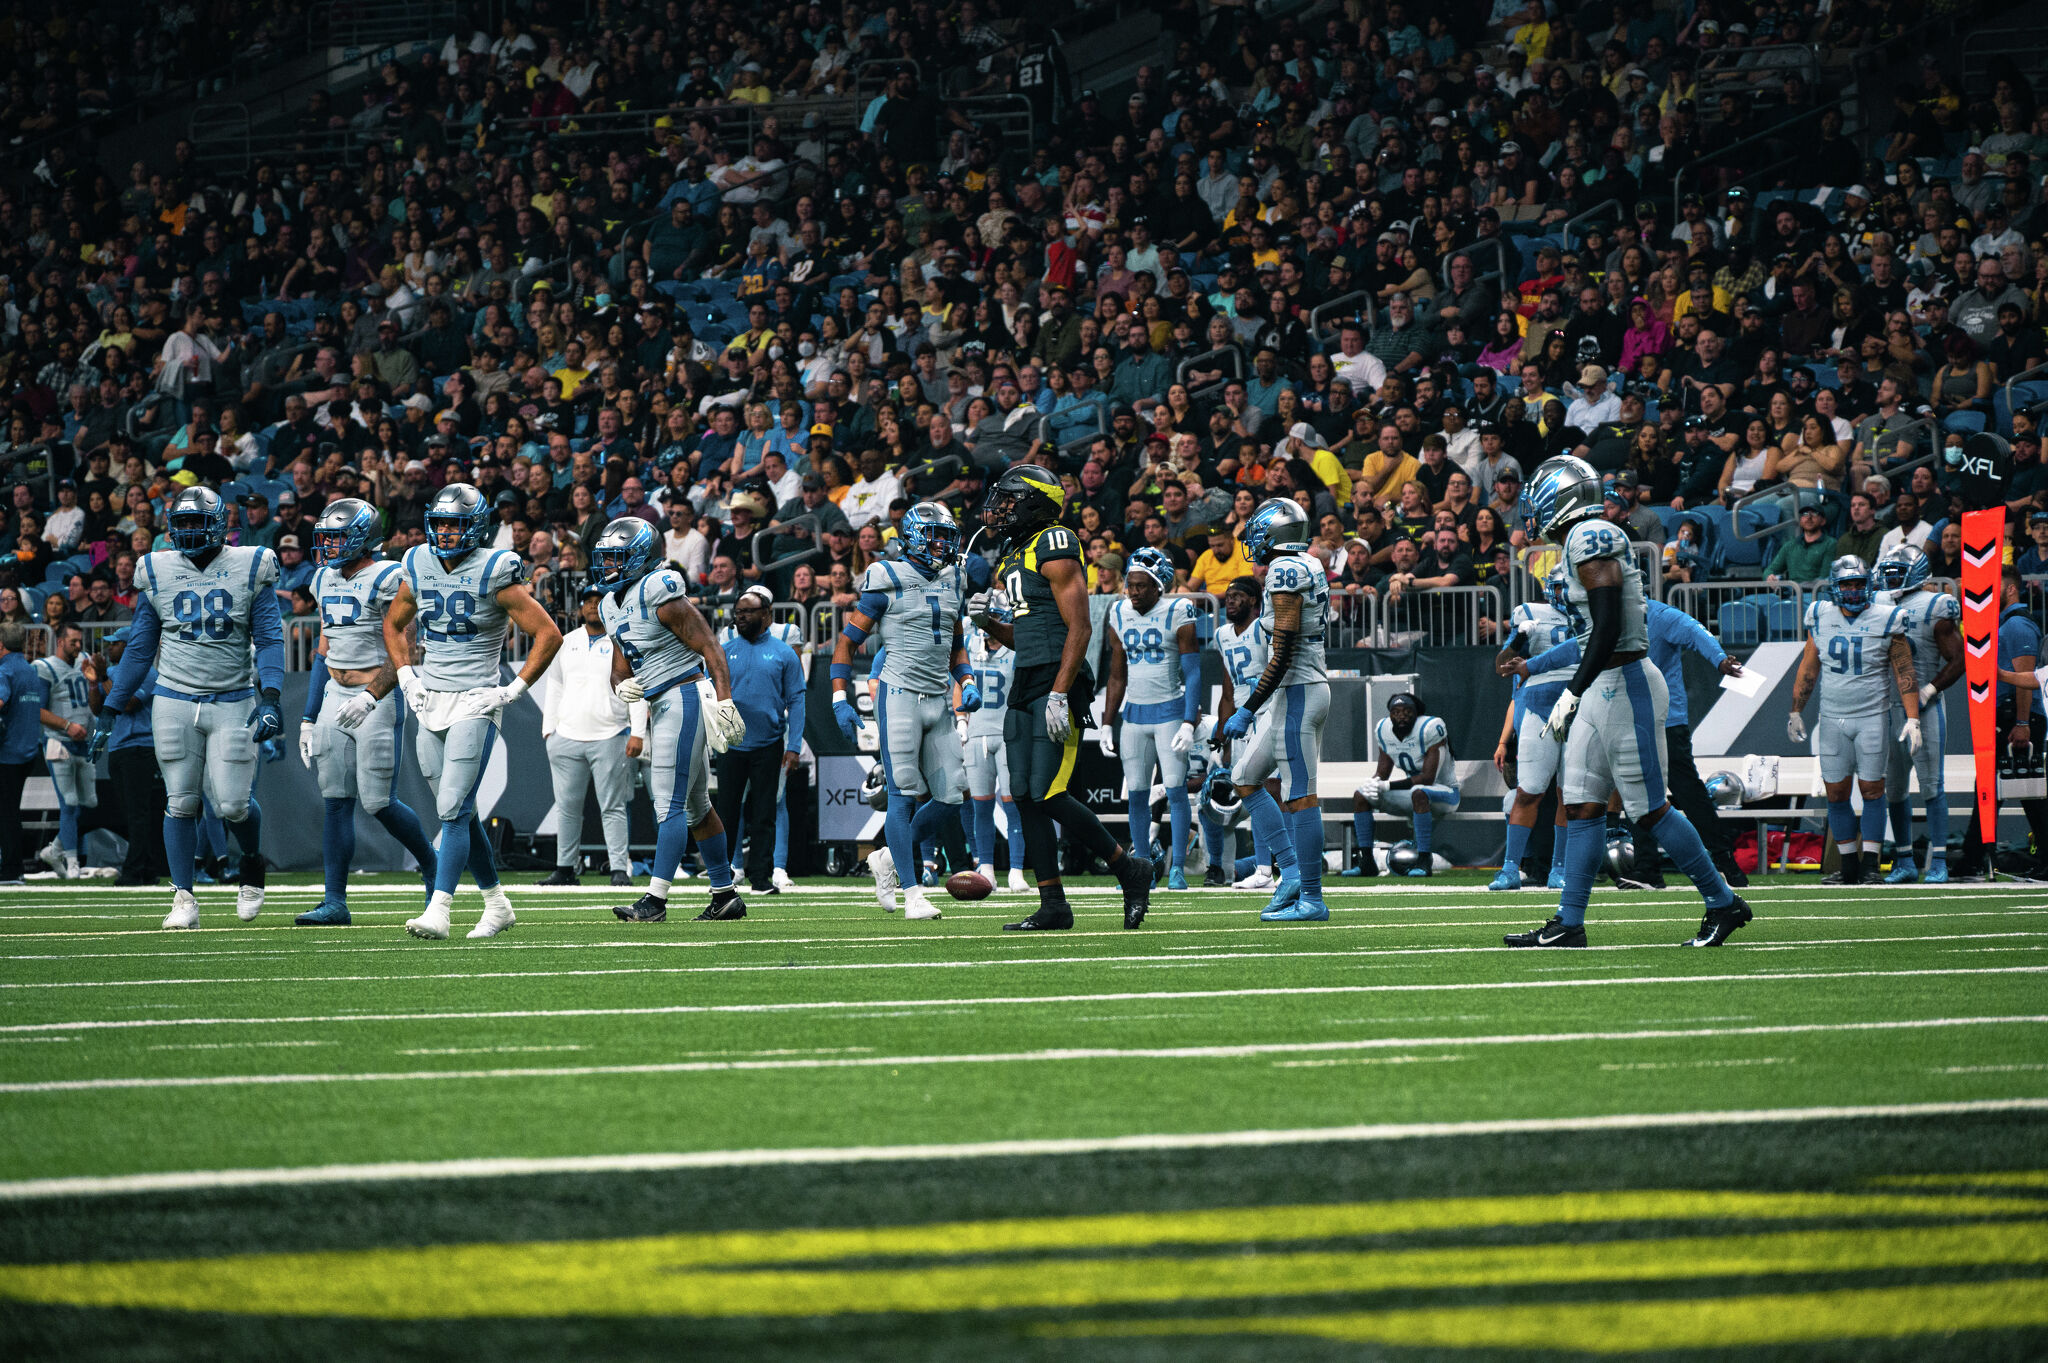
1937,871
1177,878
1556,876
1903,873
1284,896
328,915
1302,910
1418,872
1510,878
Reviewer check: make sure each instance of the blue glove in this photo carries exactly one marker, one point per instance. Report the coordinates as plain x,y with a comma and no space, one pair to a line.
848,717
970,698
1237,726
272,749
268,723
102,733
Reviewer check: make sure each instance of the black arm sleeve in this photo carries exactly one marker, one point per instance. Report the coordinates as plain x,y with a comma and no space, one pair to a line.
1603,604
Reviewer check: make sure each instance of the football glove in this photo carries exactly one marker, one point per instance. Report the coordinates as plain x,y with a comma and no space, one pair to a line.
847,716
102,732
1059,725
1237,726
1561,717
267,723
415,690
724,725
970,698
1183,737
1795,727
1927,695
630,690
1371,788
1105,737
306,745
1910,735
359,708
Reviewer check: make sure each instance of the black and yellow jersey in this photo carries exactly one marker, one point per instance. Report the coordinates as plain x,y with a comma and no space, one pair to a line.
1035,616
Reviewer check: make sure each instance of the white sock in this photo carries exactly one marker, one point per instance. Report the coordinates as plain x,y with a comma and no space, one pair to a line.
441,903
496,898
658,887
1849,849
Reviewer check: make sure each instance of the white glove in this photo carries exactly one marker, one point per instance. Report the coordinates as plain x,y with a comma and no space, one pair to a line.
976,605
1795,727
485,699
1059,726
1183,737
1910,735
305,744
415,690
1371,788
359,708
630,690
1560,717
1105,736
723,725
1927,695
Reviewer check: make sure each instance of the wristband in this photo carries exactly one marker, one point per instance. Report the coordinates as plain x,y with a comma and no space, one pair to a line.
962,672
515,689
842,672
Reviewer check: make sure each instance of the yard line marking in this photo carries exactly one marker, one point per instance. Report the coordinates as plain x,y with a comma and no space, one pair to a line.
662,1161
1363,1060
869,1005
1162,962
1057,1055
1702,1064
1987,1069
235,1045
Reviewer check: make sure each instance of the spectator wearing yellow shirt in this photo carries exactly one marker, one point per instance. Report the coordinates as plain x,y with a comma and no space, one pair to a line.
1532,37
573,371
1302,444
1214,570
1388,466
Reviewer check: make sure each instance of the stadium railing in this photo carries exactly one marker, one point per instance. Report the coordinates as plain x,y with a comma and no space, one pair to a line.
1439,617
1230,353
1327,317
1744,614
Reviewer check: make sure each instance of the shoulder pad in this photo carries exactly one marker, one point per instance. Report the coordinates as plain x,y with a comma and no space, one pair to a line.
876,577
1945,607
1056,541
266,570
1433,731
506,569
1813,616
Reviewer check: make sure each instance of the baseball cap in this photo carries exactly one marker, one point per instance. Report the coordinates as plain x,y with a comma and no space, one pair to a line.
758,593
289,542
821,428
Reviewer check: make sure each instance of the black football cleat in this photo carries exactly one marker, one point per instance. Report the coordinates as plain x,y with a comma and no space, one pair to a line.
1720,924
621,878
1045,920
1136,880
1555,933
646,909
562,875
1215,878
725,906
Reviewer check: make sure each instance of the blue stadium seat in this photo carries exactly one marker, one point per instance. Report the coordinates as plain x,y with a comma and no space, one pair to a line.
1739,625
1965,423
1779,615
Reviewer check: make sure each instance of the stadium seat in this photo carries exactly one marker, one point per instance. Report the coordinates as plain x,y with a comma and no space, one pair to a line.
1738,624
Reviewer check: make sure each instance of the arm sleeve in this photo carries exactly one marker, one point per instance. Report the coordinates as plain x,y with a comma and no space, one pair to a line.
1605,607
636,719
316,687
1551,659
266,632
140,654
793,697
1191,693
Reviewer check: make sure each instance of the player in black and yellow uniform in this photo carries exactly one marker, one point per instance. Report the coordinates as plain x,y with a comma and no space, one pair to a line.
1046,584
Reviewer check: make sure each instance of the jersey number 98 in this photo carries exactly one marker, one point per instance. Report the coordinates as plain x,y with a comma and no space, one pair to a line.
212,616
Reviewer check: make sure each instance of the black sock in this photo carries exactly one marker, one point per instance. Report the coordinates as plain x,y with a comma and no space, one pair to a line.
1041,841
1052,899
1078,822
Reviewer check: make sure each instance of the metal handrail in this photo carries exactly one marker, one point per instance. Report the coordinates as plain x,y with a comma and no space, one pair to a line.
2020,377
1500,260
1234,354
1787,492
1723,155
1597,210
1340,307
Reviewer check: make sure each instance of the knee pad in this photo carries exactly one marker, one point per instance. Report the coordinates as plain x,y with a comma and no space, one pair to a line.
183,806
374,804
233,812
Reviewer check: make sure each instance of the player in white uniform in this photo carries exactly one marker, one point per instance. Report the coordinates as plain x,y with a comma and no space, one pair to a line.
1244,646
666,656
1858,659
347,736
76,782
1611,714
915,606
987,761
207,617
1535,627
1296,680
463,596
1419,748
1155,692
793,636
1929,619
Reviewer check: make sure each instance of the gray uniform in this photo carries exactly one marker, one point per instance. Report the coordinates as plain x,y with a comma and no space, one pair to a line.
680,777
1914,615
1408,753
1616,743
577,764
1856,690
987,760
1155,692
361,763
462,640
1536,757
917,620
1301,704
206,670
71,773
1244,653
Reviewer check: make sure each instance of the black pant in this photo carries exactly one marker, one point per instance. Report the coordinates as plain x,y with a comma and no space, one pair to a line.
141,785
13,776
2036,811
1689,794
750,776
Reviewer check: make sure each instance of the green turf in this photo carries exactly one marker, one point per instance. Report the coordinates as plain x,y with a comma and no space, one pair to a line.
821,1022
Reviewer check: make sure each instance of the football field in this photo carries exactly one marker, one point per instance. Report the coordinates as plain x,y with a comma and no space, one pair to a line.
825,1133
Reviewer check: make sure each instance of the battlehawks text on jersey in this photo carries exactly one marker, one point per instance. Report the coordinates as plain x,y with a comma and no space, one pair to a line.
1914,615
207,614
1425,733
1035,626
462,625
1585,543
918,612
352,612
1855,668
1244,653
658,658
1151,650
1300,575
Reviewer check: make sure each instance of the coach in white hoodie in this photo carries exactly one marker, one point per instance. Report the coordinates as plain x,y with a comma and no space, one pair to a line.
592,736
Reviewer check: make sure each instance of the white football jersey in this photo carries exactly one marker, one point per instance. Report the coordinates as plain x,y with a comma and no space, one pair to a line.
1245,652
658,658
207,615
1427,732
67,690
1151,653
1855,671
462,627
918,613
1300,575
994,668
352,612
1598,539
1915,614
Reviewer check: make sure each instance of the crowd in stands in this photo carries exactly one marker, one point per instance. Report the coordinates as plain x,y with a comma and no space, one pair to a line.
1356,255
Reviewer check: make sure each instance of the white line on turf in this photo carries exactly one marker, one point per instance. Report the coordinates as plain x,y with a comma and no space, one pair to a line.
1059,1055
209,1180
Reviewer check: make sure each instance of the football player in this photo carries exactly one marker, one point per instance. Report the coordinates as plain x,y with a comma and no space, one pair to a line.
72,690
988,763
1535,627
1243,644
1929,620
1154,692
1428,784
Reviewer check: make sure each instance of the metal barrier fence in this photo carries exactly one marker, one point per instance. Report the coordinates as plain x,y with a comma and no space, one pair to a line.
1436,617
1743,614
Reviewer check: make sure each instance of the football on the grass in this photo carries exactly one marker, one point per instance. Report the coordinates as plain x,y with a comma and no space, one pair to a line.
969,885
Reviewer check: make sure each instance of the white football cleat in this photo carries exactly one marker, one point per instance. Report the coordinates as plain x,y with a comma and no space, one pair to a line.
1261,878
988,873
184,910
782,882
1018,884
916,906
248,902
498,914
51,854
884,867
433,924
